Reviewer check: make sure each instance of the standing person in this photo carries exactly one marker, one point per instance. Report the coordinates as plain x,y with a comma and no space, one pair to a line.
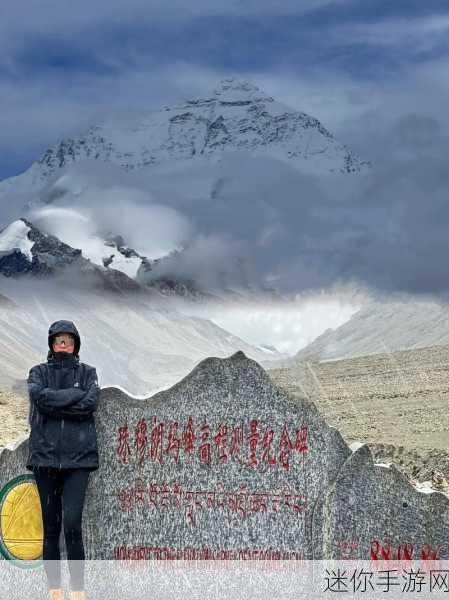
64,394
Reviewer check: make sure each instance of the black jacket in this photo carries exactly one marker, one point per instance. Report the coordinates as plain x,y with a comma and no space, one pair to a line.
63,394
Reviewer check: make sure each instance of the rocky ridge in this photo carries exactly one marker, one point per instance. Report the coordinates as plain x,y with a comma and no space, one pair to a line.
25,251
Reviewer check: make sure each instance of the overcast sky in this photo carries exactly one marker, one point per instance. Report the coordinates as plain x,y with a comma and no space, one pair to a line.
376,73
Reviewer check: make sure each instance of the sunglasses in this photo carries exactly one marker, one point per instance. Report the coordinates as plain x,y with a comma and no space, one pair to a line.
59,341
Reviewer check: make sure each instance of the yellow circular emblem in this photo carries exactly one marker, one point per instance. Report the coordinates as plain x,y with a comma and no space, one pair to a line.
21,527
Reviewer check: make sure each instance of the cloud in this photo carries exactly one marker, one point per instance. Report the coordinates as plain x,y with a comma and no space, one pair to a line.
83,216
86,31
84,13
213,261
386,230
417,33
269,225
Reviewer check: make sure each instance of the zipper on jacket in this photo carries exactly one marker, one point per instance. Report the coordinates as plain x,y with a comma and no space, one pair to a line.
60,442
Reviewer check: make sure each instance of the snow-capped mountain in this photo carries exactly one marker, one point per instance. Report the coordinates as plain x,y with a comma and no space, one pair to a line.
238,116
24,250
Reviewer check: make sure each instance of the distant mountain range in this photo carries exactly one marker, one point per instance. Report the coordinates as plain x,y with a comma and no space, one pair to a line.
381,327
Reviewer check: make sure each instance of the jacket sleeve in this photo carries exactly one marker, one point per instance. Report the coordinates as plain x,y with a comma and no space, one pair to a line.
85,406
35,384
68,403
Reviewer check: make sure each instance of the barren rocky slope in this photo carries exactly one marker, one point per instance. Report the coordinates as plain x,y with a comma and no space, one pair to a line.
396,402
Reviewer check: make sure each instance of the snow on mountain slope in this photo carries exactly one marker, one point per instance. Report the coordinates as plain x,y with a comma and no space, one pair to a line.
15,236
132,344
238,116
26,251
382,326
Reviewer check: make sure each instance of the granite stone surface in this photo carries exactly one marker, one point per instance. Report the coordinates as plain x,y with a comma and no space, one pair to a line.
371,511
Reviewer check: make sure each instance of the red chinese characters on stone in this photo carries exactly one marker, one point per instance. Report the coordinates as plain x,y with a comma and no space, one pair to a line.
301,439
220,440
253,441
267,455
236,443
156,440
141,439
188,437
286,448
204,449
123,449
174,442
253,444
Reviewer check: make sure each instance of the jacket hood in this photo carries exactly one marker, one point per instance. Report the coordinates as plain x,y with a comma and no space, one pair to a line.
63,327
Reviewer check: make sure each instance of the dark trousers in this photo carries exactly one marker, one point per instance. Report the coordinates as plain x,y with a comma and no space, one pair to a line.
62,489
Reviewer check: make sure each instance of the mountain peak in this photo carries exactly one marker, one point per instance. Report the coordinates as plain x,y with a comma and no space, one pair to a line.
236,90
238,116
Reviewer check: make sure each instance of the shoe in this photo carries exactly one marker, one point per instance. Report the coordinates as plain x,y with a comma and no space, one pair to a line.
56,594
77,595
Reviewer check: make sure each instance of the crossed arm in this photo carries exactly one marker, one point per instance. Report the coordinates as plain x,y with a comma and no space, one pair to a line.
70,403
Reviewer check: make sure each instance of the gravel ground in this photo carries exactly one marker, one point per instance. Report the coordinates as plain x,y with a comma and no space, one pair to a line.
396,402
13,416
